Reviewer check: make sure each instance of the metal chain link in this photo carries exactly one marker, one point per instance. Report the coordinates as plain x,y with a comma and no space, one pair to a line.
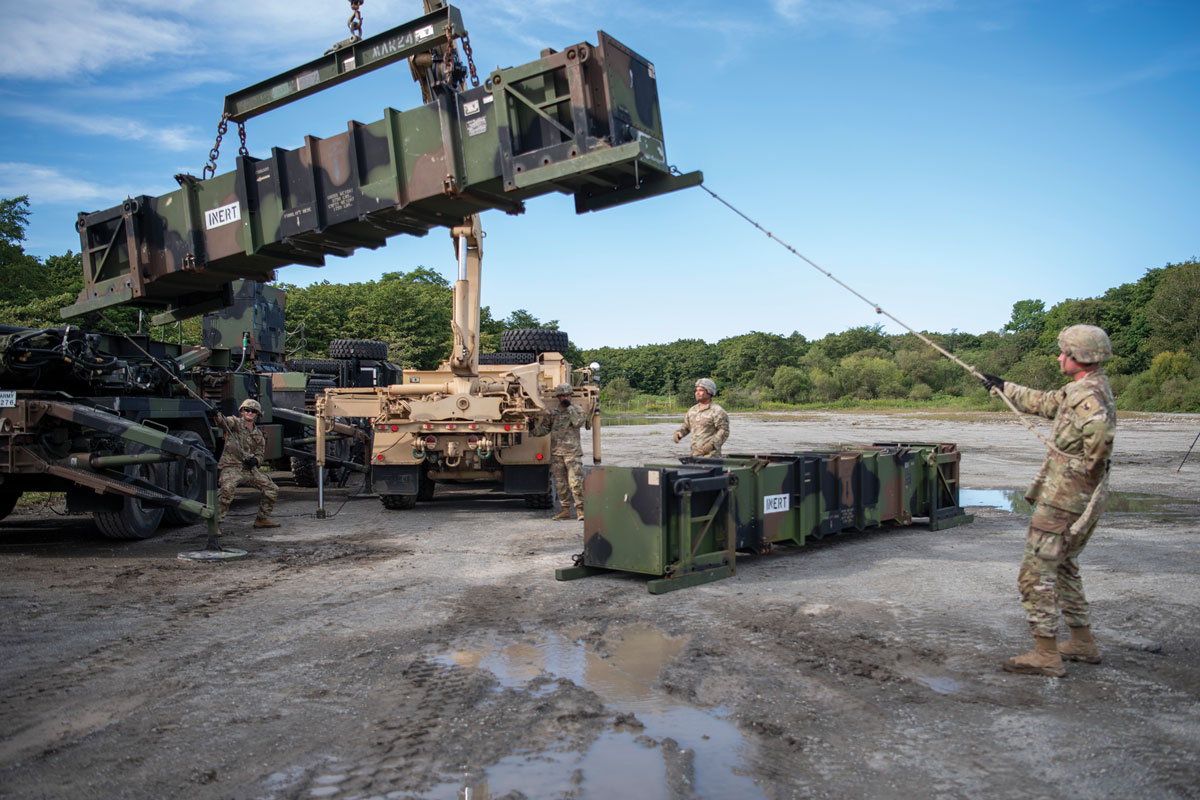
448,54
466,40
356,19
210,168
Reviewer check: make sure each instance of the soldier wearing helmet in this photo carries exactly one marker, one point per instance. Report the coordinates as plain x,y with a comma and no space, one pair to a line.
1068,496
566,453
244,452
706,421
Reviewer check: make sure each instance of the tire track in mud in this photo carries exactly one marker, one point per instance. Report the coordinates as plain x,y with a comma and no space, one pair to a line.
163,626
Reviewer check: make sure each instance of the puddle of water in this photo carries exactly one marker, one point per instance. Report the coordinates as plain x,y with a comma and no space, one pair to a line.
941,685
1118,502
617,763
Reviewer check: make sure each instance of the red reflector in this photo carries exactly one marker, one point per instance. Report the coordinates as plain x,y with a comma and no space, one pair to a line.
380,457
539,456
473,427
518,427
449,427
507,427
395,428
383,427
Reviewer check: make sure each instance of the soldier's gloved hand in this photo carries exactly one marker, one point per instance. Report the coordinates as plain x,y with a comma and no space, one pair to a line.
678,436
992,382
250,463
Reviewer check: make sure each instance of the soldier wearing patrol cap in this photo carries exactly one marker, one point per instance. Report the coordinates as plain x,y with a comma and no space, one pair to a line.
1068,496
245,450
706,421
566,453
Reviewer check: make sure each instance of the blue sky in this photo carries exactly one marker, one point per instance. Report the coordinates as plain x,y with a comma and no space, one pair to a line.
946,159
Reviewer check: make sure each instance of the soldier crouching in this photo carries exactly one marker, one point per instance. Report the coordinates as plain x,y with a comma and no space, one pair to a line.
245,450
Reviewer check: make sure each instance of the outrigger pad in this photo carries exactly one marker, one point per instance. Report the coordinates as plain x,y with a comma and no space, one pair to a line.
224,554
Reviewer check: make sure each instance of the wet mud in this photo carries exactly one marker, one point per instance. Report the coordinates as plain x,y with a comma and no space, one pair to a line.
431,654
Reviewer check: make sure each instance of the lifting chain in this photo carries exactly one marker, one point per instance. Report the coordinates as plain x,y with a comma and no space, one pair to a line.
355,21
466,39
450,56
210,169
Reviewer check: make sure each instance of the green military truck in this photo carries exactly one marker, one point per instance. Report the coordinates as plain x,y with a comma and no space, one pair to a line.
89,414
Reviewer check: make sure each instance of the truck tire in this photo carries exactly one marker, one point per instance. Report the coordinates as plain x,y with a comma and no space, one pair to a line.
315,387
358,348
185,478
134,520
507,358
398,502
537,340
543,500
8,501
323,366
304,471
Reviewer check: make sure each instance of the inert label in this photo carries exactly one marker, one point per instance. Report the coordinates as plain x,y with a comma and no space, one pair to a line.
216,217
776,503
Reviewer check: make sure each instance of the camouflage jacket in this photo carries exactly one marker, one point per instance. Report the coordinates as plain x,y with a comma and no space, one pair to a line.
240,443
709,426
1085,421
563,424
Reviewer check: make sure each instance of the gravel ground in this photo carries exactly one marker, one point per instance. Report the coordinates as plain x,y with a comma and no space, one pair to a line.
431,654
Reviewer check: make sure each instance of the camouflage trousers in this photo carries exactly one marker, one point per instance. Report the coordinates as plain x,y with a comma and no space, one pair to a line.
567,472
233,477
1049,579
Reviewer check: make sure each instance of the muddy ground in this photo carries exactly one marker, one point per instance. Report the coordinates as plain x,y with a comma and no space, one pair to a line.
432,654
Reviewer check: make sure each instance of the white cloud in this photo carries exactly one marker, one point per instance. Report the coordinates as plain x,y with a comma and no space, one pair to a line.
51,185
59,39
175,138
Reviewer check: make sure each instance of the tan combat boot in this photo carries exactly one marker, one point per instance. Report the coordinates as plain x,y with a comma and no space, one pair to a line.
1044,660
265,522
564,514
1081,647
579,512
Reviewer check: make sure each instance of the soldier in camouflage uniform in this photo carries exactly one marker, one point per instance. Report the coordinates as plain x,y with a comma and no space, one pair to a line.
1068,496
245,450
566,453
706,421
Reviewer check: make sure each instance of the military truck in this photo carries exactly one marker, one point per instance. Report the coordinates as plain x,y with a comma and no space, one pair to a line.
89,414
469,420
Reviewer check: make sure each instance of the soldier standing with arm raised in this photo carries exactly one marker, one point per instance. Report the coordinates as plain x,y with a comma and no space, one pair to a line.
245,450
1068,496
566,453
706,421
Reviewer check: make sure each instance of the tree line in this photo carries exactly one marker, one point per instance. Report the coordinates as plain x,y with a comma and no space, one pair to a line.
1154,324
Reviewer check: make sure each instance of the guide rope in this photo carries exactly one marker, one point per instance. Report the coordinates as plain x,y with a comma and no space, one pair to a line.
879,310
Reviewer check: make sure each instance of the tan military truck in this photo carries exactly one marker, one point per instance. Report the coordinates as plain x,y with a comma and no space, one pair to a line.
466,421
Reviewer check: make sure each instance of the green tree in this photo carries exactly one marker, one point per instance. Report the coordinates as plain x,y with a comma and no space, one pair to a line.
1027,315
1174,310
790,385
